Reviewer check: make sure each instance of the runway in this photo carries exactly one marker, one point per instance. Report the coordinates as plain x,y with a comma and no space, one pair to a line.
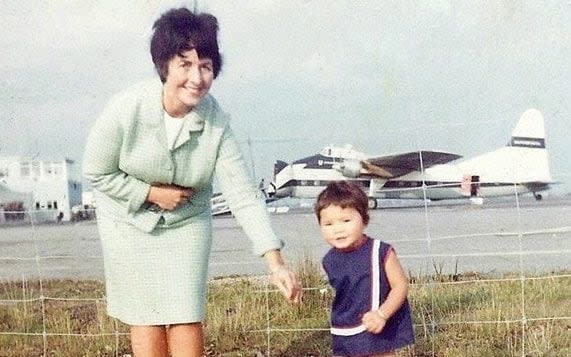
505,236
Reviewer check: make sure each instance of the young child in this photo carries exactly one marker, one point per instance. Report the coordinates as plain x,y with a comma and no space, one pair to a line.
370,315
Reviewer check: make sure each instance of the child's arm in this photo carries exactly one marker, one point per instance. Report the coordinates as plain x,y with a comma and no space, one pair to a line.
375,320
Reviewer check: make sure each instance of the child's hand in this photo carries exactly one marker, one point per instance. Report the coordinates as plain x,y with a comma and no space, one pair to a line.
373,321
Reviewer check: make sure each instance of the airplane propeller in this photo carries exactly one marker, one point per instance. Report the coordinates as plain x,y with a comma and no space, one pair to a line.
376,170
355,168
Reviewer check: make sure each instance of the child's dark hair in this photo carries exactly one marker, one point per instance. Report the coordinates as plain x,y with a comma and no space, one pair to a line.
346,195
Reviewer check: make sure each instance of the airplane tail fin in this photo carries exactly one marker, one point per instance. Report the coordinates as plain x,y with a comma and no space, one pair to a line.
526,155
523,160
529,131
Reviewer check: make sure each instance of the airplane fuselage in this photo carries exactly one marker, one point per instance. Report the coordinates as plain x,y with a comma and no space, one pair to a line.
437,183
522,166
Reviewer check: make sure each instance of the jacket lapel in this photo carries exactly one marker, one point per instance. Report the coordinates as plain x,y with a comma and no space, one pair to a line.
152,113
154,118
194,122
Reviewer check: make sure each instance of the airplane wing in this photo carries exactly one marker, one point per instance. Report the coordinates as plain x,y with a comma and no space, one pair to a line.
401,164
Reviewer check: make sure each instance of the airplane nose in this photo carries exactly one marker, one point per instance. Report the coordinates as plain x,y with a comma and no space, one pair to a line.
349,167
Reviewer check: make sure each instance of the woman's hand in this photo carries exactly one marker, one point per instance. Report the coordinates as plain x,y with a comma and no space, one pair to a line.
169,197
285,280
374,321
282,277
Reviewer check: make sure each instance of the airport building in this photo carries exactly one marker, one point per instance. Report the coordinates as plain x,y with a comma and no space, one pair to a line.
48,190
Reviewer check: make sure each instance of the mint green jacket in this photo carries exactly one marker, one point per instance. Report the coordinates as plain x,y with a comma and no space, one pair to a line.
127,151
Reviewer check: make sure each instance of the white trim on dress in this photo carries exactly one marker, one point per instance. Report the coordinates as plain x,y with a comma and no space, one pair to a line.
375,293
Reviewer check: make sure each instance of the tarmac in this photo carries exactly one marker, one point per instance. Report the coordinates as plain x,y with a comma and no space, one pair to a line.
504,236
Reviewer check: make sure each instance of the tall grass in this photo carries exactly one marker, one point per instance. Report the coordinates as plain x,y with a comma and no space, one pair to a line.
454,316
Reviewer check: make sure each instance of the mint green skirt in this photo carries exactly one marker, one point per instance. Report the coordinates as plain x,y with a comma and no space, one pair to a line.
156,278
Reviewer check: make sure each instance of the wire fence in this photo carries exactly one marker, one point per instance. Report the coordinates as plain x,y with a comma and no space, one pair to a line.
526,246
510,245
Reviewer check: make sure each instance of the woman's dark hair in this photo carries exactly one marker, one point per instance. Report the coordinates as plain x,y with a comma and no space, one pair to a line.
346,195
180,30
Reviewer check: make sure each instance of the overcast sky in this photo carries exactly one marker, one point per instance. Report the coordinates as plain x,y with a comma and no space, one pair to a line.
384,76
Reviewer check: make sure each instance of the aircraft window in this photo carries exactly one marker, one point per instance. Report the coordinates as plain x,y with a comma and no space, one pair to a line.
303,182
320,162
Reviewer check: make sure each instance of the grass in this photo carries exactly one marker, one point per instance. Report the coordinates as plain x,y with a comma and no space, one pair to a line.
454,316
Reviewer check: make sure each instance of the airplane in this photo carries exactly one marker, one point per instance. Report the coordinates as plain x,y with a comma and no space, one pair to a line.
521,166
218,205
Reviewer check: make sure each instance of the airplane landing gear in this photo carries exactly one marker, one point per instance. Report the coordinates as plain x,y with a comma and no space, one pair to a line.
538,196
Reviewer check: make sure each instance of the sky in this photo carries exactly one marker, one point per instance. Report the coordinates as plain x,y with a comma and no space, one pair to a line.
383,76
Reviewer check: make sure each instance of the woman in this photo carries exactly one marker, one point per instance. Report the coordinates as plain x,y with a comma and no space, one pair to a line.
151,158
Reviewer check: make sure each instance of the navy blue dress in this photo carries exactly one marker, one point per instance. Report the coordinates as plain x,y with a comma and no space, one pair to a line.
359,288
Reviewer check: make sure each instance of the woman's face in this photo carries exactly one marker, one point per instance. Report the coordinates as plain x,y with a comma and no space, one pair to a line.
188,80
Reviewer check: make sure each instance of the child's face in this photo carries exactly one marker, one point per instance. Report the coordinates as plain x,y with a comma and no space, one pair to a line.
342,228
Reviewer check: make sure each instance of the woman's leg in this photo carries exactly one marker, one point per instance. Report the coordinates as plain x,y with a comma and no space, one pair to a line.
149,341
186,340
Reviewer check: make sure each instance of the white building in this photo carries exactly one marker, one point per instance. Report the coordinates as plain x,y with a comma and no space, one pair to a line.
55,186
